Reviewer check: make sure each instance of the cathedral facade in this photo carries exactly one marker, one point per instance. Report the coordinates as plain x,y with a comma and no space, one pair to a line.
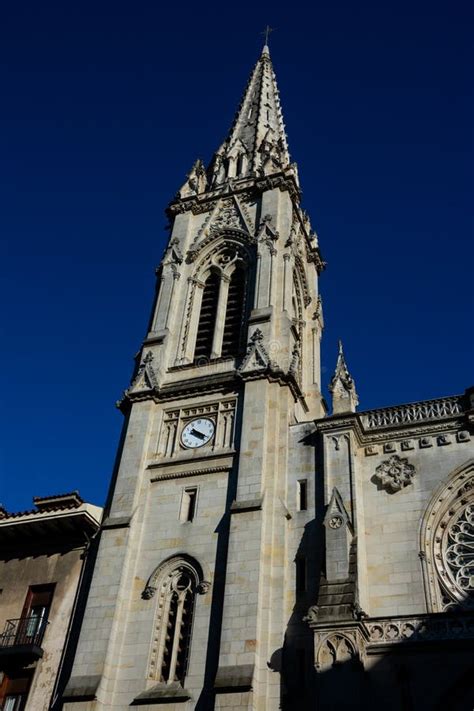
257,552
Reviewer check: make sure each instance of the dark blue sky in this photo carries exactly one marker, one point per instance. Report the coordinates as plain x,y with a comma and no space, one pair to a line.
104,107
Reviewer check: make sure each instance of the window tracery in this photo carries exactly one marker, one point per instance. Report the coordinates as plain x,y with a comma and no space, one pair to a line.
176,584
217,303
335,649
448,543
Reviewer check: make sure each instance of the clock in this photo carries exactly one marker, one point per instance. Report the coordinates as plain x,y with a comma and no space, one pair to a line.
197,432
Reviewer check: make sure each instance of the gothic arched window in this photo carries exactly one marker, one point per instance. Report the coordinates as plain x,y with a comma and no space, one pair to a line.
222,306
232,337
207,317
176,584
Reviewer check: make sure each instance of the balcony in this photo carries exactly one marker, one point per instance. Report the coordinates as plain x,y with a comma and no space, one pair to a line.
21,639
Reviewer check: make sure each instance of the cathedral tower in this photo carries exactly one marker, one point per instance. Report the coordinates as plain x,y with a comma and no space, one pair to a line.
200,561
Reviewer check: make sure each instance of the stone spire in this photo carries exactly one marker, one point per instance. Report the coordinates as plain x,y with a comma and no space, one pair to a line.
256,144
342,387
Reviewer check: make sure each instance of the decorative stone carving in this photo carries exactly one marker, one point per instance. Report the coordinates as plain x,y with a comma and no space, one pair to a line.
228,216
266,231
203,587
318,312
358,613
463,436
418,629
145,378
312,614
443,440
335,649
394,474
406,445
256,357
425,442
295,362
336,513
196,181
389,447
148,592
371,450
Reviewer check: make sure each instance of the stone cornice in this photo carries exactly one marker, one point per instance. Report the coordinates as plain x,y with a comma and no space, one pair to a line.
189,472
252,187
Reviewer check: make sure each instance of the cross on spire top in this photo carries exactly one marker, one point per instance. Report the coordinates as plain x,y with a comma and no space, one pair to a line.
267,32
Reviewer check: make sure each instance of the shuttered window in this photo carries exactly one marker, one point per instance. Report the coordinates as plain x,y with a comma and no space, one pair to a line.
232,339
207,318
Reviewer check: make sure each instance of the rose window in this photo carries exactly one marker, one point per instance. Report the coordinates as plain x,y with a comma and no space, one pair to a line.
459,553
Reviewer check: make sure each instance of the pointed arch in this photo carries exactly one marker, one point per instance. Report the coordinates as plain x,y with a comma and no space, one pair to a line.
176,582
447,542
335,649
219,299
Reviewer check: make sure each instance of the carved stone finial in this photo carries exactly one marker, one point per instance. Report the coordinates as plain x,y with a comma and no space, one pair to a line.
257,336
342,387
196,180
145,378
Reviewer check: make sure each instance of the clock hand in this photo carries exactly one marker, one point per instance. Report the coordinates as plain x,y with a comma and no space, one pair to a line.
195,432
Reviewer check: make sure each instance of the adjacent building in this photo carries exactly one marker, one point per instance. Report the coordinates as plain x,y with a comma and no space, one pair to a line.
43,554
257,553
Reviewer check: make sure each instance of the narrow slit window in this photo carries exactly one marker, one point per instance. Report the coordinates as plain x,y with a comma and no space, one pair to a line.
301,574
207,318
188,505
232,338
302,495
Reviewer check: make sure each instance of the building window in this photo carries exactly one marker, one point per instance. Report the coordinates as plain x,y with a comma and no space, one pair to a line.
188,504
302,495
14,691
34,617
232,338
180,599
207,318
176,584
301,573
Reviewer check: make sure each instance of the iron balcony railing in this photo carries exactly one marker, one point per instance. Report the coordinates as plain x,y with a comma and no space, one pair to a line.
23,631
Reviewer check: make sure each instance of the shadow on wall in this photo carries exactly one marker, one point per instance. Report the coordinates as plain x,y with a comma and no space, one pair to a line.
425,672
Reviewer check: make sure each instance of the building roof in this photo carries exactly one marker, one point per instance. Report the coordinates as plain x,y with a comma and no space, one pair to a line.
55,519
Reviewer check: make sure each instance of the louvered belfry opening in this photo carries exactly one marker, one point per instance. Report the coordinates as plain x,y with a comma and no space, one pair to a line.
232,338
207,318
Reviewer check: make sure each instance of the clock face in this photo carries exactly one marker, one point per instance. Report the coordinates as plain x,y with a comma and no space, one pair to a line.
197,432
